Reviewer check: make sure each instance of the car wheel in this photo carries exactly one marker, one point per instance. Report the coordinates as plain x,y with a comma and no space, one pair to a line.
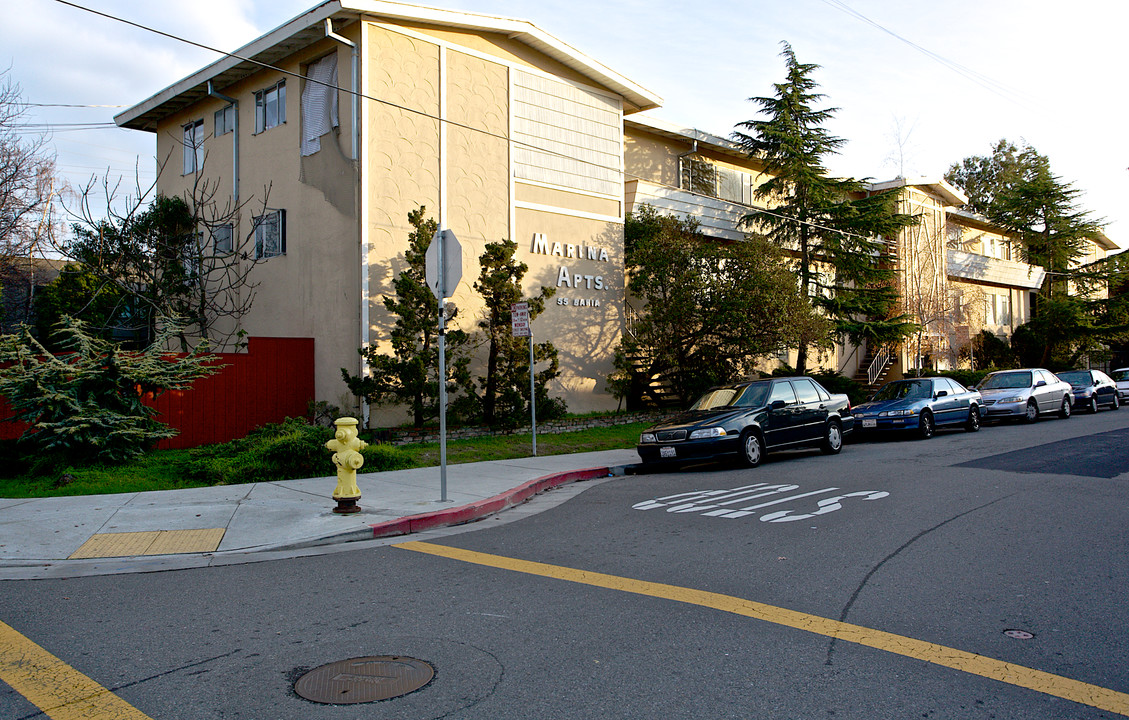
1093,406
1064,411
973,423
1115,404
925,426
1032,413
833,439
752,450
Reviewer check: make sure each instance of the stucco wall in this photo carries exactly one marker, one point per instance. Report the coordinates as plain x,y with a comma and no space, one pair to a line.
311,290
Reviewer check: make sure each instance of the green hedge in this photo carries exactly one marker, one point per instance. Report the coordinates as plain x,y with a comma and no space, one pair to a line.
284,451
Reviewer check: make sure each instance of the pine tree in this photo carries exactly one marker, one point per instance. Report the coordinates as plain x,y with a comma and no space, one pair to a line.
502,395
1015,188
832,227
410,375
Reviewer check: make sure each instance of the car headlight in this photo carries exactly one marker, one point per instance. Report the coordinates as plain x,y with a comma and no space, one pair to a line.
1011,399
646,438
899,413
707,433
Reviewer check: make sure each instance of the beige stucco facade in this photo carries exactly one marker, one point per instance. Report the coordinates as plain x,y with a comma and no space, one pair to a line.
499,130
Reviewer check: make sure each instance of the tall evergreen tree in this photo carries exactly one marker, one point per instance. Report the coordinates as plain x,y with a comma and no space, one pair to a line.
832,226
1015,188
502,395
410,375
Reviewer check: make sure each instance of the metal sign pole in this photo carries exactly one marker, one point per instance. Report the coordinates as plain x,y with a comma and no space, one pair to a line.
532,394
443,270
442,370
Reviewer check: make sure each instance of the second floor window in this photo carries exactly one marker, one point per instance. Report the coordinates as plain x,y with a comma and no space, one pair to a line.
225,120
270,107
193,147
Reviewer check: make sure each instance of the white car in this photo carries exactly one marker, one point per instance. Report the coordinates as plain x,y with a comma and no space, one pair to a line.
1025,394
1121,377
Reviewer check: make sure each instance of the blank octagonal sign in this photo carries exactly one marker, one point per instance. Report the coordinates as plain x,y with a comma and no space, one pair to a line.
364,679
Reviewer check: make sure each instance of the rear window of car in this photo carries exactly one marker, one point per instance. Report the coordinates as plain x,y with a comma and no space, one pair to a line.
1121,375
1076,377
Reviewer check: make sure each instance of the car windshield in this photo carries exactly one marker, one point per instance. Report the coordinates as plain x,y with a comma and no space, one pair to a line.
1007,380
1076,377
748,396
1121,375
904,390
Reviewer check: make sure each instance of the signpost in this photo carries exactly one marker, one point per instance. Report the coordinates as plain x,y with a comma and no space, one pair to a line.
519,319
443,268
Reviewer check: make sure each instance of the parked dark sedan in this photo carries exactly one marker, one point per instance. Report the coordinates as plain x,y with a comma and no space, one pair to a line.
749,419
921,405
1091,388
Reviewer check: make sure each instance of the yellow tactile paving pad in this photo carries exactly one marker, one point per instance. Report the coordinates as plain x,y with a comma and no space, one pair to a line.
153,542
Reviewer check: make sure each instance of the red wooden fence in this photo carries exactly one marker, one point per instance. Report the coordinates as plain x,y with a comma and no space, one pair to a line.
273,380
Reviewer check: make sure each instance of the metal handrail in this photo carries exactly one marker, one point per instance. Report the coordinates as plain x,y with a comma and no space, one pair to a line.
878,365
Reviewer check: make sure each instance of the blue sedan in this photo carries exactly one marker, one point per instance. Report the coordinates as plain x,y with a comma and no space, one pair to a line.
921,405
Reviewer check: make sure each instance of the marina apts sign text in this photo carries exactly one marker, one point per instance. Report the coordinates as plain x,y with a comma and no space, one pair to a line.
573,276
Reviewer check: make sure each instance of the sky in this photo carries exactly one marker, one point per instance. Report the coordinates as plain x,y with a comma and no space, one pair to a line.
918,84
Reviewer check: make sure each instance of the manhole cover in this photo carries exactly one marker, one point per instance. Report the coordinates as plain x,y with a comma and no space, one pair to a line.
364,679
1018,634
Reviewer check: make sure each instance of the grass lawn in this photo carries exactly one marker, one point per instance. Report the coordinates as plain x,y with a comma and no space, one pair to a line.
170,469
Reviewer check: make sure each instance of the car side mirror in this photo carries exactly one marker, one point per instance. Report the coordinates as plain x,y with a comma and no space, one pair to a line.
941,393
1041,383
777,404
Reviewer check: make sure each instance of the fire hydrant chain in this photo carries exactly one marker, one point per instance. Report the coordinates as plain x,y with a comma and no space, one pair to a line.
346,447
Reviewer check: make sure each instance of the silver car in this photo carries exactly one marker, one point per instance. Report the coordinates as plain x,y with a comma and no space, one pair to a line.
1121,377
1024,394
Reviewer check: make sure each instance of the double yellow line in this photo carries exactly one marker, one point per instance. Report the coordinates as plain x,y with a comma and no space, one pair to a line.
63,693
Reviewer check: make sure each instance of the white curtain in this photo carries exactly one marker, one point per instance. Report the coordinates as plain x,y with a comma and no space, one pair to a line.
319,103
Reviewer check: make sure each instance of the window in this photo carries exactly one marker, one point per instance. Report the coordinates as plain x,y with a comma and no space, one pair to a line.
270,234
723,183
270,107
225,121
193,146
782,391
222,239
805,391
699,176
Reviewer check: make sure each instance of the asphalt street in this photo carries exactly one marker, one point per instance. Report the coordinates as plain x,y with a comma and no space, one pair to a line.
894,580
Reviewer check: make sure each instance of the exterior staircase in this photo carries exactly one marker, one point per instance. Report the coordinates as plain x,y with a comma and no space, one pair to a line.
658,394
874,368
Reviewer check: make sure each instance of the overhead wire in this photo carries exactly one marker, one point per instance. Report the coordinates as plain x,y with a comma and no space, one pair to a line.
980,79
389,103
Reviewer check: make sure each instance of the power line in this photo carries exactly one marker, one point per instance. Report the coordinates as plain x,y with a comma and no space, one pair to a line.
62,105
290,73
979,78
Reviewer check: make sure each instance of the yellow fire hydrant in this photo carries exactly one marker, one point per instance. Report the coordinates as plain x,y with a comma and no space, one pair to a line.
346,447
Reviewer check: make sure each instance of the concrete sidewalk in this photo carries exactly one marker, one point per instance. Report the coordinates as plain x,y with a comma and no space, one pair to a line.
225,524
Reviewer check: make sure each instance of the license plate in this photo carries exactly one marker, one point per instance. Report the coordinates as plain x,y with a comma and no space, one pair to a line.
869,423
667,452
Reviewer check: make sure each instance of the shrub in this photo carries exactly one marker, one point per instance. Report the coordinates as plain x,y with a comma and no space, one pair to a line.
86,404
282,451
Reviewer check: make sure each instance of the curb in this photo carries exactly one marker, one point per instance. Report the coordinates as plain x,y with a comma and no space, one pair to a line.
483,508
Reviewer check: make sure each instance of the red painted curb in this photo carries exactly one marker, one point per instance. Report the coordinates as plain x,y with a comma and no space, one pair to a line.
475,511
